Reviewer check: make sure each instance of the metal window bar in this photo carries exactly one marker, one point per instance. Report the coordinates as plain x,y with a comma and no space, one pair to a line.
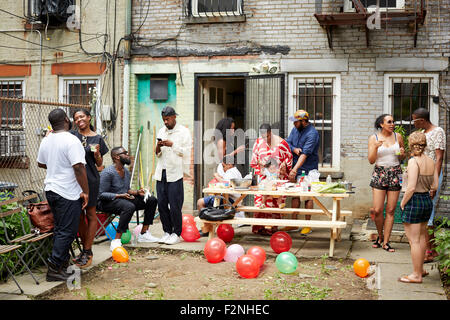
214,8
411,94
78,91
314,101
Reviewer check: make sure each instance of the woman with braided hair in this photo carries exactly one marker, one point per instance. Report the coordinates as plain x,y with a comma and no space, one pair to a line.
417,204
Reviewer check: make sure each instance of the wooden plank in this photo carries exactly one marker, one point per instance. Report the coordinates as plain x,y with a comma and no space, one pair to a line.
9,201
10,212
279,222
279,193
289,210
325,210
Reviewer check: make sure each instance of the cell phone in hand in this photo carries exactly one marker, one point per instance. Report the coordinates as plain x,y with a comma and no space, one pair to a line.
159,139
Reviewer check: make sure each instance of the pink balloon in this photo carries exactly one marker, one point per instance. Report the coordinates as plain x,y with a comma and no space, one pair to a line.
233,253
137,230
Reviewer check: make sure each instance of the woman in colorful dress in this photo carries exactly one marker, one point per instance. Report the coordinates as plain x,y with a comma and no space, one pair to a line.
386,150
268,146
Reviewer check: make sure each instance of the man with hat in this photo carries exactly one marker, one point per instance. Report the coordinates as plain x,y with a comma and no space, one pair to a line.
304,144
173,152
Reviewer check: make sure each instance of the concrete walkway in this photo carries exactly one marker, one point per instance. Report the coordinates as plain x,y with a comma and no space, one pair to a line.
386,267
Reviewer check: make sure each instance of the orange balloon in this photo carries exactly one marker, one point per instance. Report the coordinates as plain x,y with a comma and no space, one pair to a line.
361,267
119,254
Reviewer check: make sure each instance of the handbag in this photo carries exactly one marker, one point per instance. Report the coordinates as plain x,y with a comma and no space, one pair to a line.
41,216
217,213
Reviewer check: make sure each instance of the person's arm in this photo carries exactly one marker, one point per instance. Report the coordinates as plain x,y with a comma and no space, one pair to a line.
413,175
374,144
290,142
81,176
254,163
105,185
401,143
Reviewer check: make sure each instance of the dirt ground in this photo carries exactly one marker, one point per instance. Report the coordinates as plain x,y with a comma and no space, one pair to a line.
158,274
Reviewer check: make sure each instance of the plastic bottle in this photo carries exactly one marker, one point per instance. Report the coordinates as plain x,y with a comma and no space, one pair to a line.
329,179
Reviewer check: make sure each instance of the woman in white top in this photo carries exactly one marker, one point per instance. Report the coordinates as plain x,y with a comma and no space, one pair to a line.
386,150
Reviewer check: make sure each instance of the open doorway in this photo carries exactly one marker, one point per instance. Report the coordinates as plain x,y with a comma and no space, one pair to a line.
219,98
249,100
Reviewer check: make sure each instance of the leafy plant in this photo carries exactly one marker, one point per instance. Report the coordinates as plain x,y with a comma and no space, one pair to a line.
442,245
402,131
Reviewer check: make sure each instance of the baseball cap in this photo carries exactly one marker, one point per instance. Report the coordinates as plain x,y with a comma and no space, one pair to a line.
299,115
168,111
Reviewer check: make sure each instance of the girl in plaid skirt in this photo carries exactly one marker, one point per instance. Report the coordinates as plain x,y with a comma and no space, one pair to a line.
417,203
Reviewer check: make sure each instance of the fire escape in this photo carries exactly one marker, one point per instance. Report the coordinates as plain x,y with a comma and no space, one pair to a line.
411,17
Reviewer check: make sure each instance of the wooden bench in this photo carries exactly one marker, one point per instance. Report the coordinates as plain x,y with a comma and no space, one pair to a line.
344,213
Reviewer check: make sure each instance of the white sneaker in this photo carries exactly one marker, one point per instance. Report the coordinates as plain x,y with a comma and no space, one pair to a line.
147,237
164,238
173,239
114,244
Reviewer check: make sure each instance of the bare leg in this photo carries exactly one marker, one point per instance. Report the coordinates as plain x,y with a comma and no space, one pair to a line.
378,197
91,214
416,237
309,204
392,198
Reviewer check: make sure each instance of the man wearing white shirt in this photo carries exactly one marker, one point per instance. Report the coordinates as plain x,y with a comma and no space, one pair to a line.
173,152
66,189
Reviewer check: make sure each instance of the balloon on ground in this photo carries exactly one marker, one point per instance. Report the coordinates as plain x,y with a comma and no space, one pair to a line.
126,237
234,252
190,233
258,253
286,262
247,266
215,250
280,241
361,267
225,232
187,219
119,254
110,231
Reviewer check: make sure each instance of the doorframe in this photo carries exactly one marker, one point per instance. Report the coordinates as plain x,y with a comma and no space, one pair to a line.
197,78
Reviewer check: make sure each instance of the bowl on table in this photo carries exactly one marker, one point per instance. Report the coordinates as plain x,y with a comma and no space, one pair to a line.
240,183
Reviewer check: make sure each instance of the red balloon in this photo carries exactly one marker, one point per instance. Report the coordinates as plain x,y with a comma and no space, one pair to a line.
280,242
215,250
190,233
247,266
187,219
225,232
258,253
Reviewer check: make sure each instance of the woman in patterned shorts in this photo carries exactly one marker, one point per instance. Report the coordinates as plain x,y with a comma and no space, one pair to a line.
386,151
417,203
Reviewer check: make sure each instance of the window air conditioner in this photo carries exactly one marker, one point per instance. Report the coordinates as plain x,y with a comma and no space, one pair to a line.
55,9
370,5
12,143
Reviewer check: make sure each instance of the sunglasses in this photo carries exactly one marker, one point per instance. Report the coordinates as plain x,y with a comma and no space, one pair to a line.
414,120
125,152
390,121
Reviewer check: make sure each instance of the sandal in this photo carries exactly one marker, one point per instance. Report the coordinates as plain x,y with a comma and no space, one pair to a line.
406,279
85,260
377,244
389,248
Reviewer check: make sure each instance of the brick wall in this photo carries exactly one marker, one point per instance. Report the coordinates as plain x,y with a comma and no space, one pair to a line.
288,29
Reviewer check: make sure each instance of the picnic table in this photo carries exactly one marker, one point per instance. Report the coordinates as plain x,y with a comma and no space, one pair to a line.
336,215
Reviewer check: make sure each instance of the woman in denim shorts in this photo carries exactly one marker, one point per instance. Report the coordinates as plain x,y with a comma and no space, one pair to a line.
386,150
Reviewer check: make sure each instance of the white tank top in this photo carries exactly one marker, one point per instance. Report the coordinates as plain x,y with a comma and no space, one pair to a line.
386,156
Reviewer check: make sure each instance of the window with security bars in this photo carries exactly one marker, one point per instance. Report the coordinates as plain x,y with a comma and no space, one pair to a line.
215,8
315,95
407,95
11,112
12,135
78,91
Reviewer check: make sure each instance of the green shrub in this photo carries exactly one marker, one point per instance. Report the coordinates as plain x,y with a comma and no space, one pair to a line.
13,226
442,244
